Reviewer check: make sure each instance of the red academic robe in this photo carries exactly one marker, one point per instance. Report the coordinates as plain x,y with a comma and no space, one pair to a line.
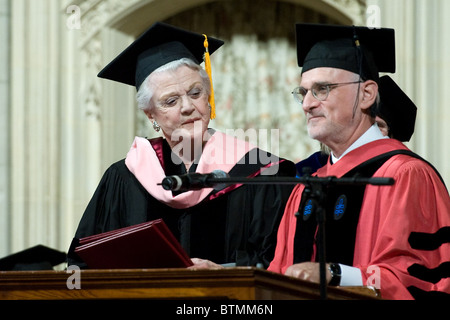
402,235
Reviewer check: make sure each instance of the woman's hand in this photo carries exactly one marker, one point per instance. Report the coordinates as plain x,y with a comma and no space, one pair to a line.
204,264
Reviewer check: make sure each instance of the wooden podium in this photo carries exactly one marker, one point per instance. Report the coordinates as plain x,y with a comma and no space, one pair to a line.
242,283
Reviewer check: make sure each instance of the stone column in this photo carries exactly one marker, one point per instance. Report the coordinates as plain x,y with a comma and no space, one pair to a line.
5,32
34,123
423,71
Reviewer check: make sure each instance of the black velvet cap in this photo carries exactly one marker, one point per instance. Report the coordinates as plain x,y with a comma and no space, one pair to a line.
361,50
397,110
160,44
38,257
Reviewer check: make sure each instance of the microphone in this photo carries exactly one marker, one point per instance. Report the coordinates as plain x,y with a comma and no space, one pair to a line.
193,181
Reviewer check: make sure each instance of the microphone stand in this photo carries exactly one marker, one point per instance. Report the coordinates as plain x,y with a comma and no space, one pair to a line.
302,180
314,190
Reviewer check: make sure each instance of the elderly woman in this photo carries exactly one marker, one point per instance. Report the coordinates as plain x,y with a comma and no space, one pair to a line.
234,224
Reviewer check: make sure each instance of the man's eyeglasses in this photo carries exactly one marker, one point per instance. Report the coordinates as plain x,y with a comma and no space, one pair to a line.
320,91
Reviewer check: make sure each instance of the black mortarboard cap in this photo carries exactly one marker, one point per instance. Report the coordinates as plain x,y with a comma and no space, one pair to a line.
397,109
38,257
160,44
362,50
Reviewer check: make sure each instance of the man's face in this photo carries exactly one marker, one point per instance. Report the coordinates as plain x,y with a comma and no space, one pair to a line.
334,120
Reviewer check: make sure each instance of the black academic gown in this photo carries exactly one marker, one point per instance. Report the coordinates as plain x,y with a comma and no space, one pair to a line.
239,226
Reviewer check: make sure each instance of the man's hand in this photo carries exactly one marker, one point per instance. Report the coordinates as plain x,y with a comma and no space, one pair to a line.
308,271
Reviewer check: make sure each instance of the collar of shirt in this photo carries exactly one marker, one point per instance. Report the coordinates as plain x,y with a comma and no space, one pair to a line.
373,134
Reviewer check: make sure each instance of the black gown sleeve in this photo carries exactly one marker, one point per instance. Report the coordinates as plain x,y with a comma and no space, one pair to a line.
118,201
264,207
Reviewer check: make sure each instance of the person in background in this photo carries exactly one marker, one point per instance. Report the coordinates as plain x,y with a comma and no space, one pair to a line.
396,113
234,224
393,237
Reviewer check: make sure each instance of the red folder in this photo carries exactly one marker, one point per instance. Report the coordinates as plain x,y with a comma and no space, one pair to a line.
146,245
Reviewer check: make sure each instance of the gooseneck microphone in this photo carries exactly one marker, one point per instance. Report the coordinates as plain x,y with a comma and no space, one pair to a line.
220,179
192,181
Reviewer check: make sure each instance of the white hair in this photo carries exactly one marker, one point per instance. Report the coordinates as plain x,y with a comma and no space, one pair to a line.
146,90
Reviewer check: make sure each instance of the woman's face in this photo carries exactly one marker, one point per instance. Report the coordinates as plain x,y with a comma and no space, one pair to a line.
180,104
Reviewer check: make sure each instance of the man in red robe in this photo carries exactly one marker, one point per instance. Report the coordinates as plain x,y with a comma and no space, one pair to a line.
396,238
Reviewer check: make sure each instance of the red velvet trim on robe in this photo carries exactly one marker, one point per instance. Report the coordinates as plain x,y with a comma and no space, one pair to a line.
418,202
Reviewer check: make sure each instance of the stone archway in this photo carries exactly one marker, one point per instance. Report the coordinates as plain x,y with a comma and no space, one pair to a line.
68,122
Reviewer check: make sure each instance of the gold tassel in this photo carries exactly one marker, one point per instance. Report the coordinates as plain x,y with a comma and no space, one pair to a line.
208,71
